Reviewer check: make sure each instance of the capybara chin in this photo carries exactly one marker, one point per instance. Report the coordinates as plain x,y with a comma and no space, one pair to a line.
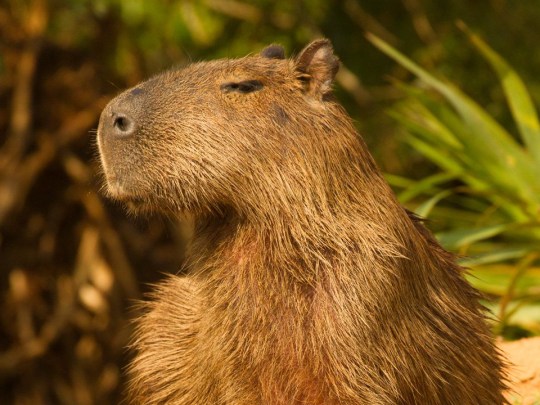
306,282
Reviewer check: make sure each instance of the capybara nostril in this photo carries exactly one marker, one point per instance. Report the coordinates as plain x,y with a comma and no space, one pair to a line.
122,124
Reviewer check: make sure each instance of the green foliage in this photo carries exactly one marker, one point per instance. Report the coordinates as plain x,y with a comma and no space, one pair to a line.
487,193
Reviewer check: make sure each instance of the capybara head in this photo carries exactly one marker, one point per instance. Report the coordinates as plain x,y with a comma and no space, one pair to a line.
218,135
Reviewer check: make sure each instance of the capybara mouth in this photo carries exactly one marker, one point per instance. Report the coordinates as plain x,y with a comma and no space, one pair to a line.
137,204
131,199
117,192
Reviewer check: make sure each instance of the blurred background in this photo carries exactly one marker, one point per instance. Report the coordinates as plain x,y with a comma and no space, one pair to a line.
454,127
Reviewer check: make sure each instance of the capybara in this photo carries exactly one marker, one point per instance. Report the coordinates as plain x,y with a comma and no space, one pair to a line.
306,282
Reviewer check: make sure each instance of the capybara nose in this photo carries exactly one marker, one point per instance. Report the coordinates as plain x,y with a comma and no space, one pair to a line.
121,124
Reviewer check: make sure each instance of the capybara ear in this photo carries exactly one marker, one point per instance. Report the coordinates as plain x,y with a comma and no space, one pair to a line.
273,51
317,66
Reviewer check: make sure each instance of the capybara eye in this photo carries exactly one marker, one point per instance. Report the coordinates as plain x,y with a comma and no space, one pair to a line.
246,86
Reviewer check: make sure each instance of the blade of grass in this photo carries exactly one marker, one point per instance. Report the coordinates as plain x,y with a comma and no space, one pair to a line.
496,256
415,109
425,185
436,155
460,237
398,181
518,97
439,125
441,136
522,266
486,134
424,209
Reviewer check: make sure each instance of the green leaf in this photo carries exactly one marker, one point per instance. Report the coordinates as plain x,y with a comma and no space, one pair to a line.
519,100
435,154
424,209
419,120
425,185
507,159
446,134
461,237
398,181
495,256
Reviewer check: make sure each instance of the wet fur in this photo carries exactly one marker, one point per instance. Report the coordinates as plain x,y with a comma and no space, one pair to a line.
307,282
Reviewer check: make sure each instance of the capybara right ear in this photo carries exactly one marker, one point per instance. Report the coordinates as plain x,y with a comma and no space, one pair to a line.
317,66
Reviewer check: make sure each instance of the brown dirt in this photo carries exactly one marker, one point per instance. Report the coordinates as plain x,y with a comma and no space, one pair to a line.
524,371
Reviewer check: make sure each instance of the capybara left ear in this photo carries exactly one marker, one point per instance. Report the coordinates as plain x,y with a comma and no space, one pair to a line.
318,66
273,51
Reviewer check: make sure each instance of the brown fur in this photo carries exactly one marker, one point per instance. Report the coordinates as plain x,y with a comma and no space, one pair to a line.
307,282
